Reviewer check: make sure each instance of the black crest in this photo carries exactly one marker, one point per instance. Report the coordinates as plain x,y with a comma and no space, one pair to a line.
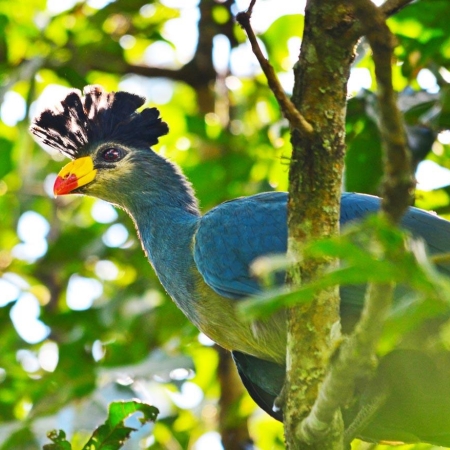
79,121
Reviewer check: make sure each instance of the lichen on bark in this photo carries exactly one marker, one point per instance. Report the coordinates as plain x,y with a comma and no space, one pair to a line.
315,180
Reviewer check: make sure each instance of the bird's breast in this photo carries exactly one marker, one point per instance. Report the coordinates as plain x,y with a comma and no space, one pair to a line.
219,319
170,253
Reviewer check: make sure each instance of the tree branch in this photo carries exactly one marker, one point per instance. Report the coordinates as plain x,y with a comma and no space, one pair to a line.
391,7
232,426
354,357
315,183
398,184
356,354
310,324
294,117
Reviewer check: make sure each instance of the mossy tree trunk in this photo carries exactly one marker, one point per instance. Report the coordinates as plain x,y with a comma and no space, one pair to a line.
316,115
315,180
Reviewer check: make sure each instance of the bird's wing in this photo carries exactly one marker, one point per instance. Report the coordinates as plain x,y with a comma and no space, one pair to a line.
430,227
231,236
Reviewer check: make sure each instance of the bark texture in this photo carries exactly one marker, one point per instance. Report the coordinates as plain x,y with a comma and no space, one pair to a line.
315,180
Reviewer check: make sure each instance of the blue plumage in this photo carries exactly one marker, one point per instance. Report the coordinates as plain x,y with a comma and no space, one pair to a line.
203,261
230,237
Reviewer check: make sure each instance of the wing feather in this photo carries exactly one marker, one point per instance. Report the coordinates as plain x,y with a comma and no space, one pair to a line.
231,236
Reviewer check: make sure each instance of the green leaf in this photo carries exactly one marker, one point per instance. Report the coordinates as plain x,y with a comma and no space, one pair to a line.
23,439
363,161
271,300
59,441
276,38
5,157
112,434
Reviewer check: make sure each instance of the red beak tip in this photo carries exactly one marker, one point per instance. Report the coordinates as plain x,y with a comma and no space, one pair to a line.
65,185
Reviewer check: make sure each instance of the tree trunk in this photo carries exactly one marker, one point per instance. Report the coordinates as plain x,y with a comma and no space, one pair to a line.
315,181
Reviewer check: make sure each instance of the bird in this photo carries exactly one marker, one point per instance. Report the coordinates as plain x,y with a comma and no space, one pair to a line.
203,261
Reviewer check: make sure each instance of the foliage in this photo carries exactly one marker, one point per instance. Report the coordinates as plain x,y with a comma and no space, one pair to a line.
83,318
371,251
113,433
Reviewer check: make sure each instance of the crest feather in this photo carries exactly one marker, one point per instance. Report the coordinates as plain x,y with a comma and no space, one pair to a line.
79,121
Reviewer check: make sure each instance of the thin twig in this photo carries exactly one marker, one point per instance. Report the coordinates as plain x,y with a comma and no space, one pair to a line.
391,7
287,107
387,9
249,11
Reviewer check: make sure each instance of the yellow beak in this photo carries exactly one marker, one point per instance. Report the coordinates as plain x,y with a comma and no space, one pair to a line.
73,175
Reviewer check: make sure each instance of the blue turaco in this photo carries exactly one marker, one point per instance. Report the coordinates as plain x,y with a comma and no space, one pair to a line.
203,260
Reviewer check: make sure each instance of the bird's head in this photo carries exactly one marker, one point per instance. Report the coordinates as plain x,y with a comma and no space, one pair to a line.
106,138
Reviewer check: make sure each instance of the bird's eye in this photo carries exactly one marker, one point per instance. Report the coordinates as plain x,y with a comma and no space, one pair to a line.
112,154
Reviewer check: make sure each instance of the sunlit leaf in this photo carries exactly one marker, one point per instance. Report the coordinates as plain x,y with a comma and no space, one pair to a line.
113,433
59,441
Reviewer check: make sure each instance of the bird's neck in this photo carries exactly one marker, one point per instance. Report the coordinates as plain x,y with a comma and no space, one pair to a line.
166,224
